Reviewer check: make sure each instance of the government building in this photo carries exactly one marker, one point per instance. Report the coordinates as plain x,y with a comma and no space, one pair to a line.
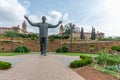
87,35
15,28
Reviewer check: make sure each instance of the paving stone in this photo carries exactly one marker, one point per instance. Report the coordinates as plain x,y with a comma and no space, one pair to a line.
36,67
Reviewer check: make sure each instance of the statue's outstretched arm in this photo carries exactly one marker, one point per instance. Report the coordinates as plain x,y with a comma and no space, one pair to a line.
54,26
33,24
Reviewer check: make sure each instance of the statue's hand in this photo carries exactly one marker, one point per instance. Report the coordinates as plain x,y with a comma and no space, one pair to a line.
60,22
26,17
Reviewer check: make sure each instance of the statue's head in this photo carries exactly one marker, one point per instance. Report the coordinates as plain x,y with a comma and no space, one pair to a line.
43,19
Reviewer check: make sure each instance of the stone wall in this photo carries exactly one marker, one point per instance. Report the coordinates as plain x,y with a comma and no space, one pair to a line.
5,44
77,46
98,45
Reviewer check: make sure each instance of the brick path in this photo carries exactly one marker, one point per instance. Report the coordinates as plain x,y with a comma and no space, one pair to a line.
36,67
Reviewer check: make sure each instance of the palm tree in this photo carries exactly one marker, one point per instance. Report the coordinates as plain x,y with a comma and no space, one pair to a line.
69,29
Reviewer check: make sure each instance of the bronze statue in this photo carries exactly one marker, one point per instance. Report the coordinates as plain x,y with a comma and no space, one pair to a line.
43,32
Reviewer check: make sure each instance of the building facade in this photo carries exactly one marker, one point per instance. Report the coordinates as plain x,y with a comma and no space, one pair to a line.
15,28
87,35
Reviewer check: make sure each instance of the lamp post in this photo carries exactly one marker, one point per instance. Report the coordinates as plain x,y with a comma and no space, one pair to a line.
61,43
21,43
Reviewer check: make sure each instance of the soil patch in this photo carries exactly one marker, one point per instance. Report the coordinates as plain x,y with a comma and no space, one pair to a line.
91,74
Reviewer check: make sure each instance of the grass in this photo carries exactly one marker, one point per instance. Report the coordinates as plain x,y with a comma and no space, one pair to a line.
68,54
13,54
77,54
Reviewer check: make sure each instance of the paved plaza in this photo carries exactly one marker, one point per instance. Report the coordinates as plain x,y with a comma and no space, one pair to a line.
36,67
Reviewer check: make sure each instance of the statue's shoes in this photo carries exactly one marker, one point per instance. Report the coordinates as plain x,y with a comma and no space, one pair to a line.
45,55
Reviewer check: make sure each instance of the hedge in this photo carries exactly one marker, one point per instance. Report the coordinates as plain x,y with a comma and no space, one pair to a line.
22,49
85,60
5,65
63,49
116,48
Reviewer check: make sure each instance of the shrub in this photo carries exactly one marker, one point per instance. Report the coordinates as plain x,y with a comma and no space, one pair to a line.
65,36
100,39
59,37
22,49
104,47
92,47
34,37
116,48
83,57
63,49
3,50
75,64
5,65
51,38
109,59
85,60
11,33
7,41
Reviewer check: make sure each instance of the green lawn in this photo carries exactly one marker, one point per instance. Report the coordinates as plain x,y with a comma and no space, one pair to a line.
14,54
68,54
77,54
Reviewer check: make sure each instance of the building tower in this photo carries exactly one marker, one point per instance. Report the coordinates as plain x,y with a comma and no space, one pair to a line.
24,27
61,29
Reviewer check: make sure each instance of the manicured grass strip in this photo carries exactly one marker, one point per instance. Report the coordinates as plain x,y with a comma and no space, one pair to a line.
14,54
9,54
78,54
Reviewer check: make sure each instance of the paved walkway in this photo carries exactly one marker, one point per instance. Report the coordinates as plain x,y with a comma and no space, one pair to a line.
35,67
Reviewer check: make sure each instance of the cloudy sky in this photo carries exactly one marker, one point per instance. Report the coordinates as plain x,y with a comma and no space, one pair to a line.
104,15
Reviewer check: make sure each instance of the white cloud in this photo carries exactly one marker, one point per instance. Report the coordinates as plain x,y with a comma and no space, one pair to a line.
112,7
111,29
11,12
65,16
110,17
53,17
34,19
112,25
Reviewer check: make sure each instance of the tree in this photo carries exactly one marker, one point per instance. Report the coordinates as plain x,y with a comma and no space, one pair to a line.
69,29
82,34
93,34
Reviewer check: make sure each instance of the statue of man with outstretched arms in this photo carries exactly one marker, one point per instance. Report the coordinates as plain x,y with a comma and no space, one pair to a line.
43,32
